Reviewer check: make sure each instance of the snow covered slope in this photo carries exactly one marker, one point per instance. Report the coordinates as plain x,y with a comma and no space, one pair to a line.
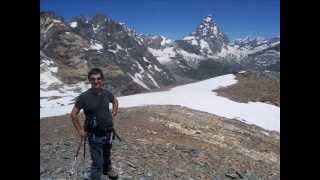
56,97
199,96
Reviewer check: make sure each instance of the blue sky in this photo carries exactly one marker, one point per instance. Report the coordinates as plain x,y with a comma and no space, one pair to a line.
178,18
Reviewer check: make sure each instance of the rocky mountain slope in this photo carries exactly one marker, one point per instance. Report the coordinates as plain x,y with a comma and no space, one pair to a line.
254,86
169,142
74,47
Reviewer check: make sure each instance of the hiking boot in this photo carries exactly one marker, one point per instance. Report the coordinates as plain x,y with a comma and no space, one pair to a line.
111,173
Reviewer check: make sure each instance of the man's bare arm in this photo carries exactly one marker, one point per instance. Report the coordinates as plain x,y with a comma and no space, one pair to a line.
115,105
76,121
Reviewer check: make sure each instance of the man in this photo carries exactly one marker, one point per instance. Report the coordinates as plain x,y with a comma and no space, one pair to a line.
98,124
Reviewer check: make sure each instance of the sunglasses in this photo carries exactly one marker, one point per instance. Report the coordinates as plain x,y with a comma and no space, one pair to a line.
93,79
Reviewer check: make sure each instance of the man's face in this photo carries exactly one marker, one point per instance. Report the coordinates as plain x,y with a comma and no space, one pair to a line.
96,81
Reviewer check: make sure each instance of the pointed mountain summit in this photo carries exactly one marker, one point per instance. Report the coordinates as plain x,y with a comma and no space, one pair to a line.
208,29
206,40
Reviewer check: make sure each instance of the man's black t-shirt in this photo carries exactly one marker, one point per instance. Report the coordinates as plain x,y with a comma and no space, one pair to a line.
89,102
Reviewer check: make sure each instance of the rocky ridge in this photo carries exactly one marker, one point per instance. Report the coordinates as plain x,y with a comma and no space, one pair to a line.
81,44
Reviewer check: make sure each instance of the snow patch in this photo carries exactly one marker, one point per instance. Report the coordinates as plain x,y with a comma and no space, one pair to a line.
189,38
259,48
261,114
157,69
153,81
146,60
215,30
205,45
113,51
228,50
275,43
95,29
194,42
47,78
119,47
56,21
192,39
165,41
189,56
137,79
95,45
140,67
56,98
163,55
60,101
207,19
49,27
74,24
266,133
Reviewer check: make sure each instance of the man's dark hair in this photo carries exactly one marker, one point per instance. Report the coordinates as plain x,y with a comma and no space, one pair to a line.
95,71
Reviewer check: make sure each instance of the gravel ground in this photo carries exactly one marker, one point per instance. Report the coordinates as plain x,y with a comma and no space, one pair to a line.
168,142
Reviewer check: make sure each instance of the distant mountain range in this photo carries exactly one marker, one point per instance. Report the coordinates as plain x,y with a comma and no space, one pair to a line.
207,52
133,62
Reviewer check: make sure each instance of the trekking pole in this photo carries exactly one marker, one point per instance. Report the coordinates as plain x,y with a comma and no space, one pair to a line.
72,171
84,171
115,134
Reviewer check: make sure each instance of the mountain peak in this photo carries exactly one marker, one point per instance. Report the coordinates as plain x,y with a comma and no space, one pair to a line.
208,18
208,27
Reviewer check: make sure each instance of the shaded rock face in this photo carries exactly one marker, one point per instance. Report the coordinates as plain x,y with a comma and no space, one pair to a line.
267,59
210,68
156,41
169,142
84,43
58,42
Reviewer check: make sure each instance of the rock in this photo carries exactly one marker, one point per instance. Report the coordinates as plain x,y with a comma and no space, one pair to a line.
145,178
66,157
131,165
67,144
125,178
59,170
42,170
